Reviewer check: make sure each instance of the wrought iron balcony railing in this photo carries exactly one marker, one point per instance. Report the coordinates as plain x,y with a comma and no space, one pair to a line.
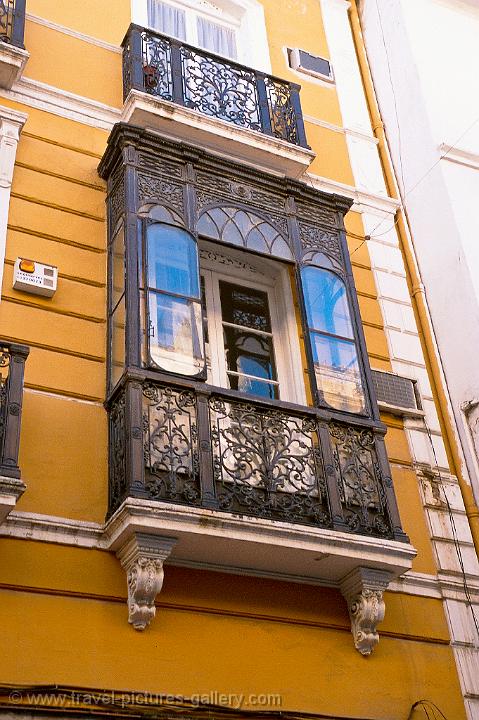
212,85
12,22
12,364
193,444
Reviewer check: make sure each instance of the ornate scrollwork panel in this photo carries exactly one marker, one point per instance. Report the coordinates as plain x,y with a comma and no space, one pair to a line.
6,19
314,238
267,463
4,370
117,200
170,444
152,188
220,89
211,188
157,66
360,481
317,213
118,479
282,114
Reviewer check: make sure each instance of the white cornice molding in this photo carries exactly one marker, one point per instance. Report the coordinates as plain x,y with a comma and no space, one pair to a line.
52,529
73,33
13,116
90,535
456,155
353,132
34,93
364,202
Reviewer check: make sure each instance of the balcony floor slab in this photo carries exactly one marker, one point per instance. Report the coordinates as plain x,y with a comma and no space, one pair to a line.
215,135
12,64
254,546
11,490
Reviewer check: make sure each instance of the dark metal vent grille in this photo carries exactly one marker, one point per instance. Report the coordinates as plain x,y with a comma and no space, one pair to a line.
395,390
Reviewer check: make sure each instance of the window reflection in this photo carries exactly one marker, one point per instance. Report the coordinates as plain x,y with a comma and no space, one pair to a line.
174,303
248,340
335,358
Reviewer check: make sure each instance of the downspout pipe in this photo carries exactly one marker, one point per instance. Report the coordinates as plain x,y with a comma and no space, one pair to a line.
416,287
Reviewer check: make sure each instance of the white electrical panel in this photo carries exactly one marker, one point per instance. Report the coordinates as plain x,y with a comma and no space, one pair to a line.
34,277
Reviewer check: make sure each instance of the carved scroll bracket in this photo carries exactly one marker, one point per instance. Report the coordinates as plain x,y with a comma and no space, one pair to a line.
142,556
363,589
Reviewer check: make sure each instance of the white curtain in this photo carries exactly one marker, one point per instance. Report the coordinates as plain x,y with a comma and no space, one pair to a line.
166,19
217,38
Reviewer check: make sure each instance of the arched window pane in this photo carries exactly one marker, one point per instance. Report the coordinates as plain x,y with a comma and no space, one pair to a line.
326,302
335,358
172,260
175,322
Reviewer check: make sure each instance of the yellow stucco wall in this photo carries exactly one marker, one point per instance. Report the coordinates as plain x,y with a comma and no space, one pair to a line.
212,632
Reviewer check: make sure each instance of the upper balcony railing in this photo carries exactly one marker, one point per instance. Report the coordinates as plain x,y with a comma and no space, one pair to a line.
12,22
12,365
193,444
171,70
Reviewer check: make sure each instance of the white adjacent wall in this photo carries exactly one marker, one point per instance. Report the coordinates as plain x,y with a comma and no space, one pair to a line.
428,52
424,59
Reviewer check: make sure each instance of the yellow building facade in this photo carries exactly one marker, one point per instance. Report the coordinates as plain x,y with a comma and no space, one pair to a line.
247,466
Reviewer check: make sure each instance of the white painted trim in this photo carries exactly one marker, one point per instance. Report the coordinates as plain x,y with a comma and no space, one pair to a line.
218,136
74,33
11,490
341,129
11,124
78,108
52,529
12,64
83,534
39,95
456,155
364,202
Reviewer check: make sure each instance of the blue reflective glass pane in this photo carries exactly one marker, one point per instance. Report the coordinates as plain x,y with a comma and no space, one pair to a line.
172,260
326,302
337,371
253,386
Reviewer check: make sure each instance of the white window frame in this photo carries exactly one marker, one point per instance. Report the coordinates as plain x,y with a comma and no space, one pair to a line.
267,276
246,17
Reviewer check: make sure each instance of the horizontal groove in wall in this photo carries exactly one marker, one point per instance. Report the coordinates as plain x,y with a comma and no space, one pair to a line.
54,238
50,348
60,208
65,393
56,311
180,607
377,356
74,148
66,178
363,293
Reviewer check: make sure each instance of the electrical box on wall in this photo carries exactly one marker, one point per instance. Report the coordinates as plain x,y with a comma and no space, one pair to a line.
34,277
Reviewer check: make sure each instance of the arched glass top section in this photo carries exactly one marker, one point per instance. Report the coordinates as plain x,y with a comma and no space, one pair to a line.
236,226
326,302
172,260
175,326
160,213
331,334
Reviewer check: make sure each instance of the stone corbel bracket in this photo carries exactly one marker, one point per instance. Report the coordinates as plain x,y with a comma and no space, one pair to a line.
363,590
142,556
